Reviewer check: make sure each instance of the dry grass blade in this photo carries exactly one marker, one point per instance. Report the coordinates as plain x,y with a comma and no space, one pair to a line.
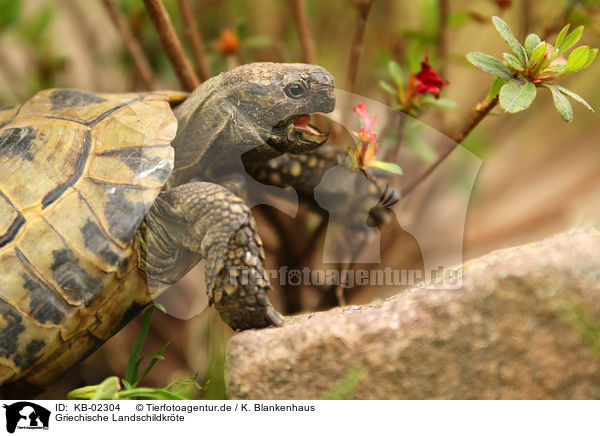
194,39
171,44
306,39
131,44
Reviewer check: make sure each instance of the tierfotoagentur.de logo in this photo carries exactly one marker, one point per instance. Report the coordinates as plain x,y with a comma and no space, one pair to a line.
25,415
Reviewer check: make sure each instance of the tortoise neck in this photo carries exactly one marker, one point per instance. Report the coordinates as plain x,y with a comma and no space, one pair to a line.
198,119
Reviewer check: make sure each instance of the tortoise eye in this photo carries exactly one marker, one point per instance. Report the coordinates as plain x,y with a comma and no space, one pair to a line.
296,90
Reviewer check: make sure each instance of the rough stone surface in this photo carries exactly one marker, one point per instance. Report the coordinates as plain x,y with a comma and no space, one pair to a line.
524,325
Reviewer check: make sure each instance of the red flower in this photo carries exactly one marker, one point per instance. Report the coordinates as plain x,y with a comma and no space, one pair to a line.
366,134
429,81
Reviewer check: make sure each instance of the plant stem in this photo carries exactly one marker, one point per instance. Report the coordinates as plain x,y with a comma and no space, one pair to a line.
479,115
194,39
364,7
171,44
131,44
442,36
306,39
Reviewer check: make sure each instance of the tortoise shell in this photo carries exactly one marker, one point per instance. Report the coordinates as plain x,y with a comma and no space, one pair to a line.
78,173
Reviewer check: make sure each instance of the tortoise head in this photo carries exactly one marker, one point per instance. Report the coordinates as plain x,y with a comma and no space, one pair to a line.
258,110
277,100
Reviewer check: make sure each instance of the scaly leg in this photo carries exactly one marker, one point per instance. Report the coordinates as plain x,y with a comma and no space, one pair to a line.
204,220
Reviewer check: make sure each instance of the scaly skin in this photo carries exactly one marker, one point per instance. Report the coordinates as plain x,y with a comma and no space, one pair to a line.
248,111
304,172
207,219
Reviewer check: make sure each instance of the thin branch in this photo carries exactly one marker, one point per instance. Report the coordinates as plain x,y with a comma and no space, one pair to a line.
477,117
475,120
393,154
442,36
306,39
131,44
171,44
194,39
364,7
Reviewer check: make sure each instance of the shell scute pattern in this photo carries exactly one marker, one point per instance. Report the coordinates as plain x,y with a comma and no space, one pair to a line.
78,173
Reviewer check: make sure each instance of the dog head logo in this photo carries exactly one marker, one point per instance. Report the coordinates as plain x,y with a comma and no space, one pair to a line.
26,415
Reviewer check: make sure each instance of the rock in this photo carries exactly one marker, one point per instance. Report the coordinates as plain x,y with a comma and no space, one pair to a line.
524,325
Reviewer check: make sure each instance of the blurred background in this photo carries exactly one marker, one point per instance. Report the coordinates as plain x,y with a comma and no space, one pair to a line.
538,174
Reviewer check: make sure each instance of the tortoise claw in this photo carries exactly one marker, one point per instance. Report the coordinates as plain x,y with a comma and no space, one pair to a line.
274,317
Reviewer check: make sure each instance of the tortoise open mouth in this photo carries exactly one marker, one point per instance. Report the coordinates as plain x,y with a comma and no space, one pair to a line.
296,135
308,132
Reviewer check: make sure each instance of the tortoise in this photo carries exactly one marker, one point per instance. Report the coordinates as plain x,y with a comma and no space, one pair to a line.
108,199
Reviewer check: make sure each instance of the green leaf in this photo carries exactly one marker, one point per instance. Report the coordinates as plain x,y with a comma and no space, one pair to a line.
241,28
155,358
421,147
430,13
537,52
36,24
11,12
490,65
531,42
495,88
553,69
83,393
387,166
562,105
561,36
413,56
510,39
107,390
442,103
395,71
151,393
161,308
513,62
388,88
571,40
591,56
517,95
546,59
175,384
577,59
459,19
571,94
258,42
134,355
187,388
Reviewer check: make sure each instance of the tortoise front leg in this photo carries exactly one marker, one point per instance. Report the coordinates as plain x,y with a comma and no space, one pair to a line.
203,220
